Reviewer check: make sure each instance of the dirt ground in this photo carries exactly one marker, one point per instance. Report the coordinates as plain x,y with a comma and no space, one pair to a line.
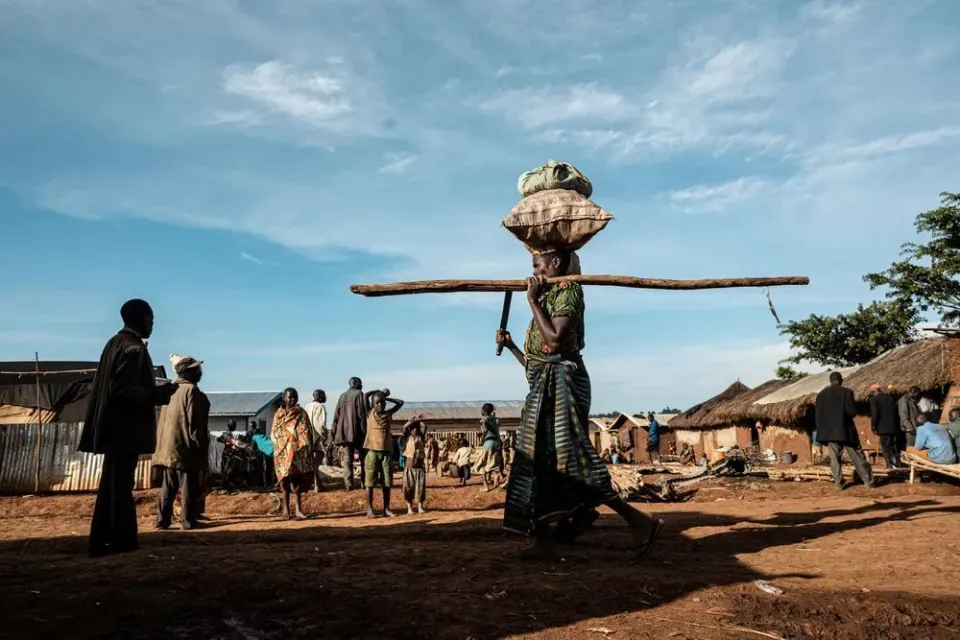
853,565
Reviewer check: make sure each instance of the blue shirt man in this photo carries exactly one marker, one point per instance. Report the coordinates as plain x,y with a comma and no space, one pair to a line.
936,441
653,436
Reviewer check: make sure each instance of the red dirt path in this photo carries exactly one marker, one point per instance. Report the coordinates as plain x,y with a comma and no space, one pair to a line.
849,564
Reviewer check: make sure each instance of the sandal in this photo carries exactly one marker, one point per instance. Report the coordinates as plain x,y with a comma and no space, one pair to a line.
642,552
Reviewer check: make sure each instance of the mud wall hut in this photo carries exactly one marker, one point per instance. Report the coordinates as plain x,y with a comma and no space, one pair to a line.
631,433
697,428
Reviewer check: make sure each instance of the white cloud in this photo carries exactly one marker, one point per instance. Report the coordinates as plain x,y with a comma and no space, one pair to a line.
311,97
503,71
895,144
397,163
713,198
535,108
834,11
592,57
249,258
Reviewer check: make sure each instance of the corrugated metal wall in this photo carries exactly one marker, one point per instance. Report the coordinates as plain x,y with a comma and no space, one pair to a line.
62,467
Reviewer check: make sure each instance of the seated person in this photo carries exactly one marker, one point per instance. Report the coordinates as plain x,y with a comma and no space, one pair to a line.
687,456
933,442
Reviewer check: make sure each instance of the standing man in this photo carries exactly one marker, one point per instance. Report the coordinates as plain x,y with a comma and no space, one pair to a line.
909,412
885,424
121,424
183,439
350,428
835,409
317,412
653,440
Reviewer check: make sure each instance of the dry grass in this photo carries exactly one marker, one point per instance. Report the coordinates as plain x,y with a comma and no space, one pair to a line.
699,416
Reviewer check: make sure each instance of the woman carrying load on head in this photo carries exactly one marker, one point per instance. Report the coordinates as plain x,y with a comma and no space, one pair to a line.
557,475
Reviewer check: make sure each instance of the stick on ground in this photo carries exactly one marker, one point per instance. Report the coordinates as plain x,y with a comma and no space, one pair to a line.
493,286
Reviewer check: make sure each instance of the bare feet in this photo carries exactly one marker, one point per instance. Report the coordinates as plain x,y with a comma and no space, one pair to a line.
409,510
300,515
646,532
389,514
285,514
371,514
421,510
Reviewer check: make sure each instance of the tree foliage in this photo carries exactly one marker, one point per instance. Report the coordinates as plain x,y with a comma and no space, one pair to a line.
786,372
927,277
852,338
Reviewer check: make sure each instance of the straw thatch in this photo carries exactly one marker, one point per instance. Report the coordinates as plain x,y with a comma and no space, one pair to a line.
741,408
699,416
792,402
923,363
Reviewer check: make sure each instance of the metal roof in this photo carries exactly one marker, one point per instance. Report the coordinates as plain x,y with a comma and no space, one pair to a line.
240,403
469,410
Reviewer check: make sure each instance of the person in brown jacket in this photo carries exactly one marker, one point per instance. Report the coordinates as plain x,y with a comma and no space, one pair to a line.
182,443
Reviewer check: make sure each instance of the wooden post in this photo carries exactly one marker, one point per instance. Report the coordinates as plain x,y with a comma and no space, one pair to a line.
36,477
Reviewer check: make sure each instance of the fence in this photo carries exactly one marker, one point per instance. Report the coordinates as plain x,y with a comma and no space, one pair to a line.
62,467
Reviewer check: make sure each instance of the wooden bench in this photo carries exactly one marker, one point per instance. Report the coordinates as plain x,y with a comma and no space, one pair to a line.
917,462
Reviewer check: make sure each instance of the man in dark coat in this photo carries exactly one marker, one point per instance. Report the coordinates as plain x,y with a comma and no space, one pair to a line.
183,443
121,424
835,410
885,424
909,410
350,428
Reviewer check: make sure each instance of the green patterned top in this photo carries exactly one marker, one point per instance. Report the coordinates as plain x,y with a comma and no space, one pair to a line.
564,299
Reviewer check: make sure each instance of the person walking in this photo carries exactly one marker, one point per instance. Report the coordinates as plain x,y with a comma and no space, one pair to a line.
121,425
834,412
557,475
183,443
885,425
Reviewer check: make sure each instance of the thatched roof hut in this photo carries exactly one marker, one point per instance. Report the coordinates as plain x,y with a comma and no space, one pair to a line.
700,416
924,363
741,408
792,402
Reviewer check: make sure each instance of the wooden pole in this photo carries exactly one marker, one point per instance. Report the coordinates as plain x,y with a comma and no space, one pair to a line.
36,477
494,286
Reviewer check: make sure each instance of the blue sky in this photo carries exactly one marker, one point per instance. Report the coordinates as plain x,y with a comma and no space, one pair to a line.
240,164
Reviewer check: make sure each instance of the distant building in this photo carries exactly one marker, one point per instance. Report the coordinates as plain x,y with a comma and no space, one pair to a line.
242,407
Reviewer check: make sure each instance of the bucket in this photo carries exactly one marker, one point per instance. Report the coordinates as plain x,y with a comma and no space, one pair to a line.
787,457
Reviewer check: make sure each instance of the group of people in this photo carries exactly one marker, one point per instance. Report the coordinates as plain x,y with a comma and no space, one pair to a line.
556,480
903,424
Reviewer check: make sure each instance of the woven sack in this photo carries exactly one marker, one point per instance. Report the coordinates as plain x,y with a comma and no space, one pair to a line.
554,175
556,219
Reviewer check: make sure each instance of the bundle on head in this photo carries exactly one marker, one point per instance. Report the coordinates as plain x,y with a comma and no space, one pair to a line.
556,212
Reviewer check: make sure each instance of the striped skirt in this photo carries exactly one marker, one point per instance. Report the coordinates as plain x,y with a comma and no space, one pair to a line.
556,469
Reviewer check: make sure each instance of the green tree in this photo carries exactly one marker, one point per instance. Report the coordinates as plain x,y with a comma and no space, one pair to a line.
927,277
852,338
669,410
786,372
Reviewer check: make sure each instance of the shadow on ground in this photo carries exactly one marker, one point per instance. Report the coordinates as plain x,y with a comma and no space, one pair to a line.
403,579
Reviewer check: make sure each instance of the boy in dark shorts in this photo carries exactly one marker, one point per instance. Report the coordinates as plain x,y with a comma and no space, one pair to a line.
378,463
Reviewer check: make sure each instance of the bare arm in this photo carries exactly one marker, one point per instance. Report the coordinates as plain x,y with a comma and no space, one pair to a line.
554,330
397,405
507,340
